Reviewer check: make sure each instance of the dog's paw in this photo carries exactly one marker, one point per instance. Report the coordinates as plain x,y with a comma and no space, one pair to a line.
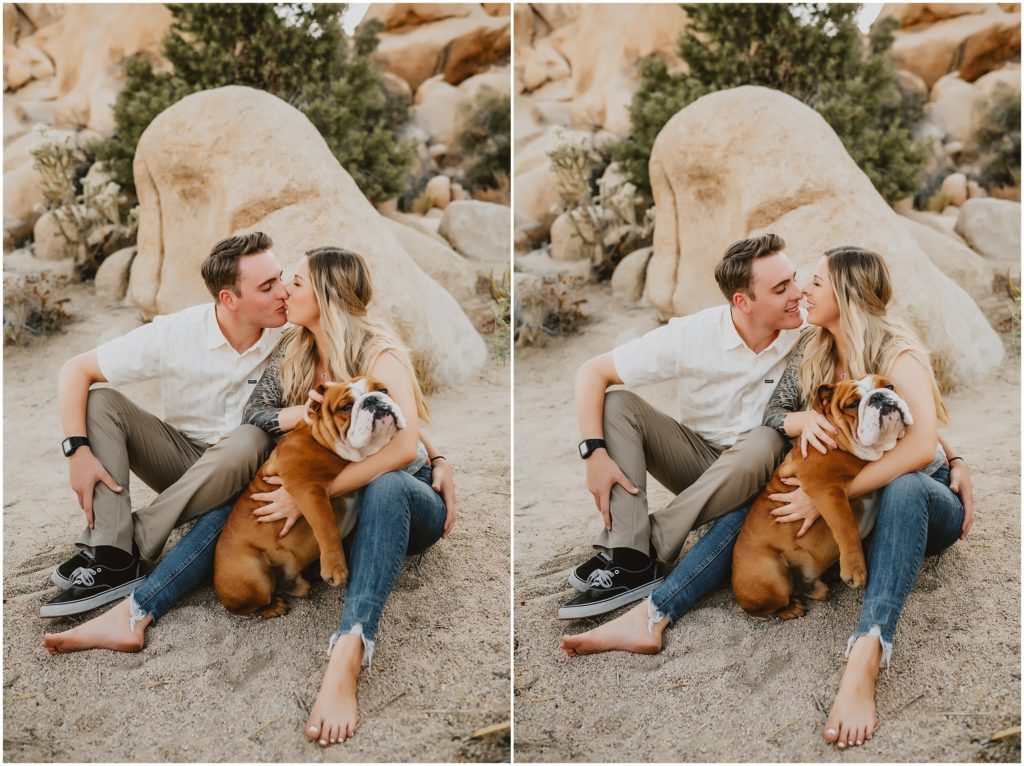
333,570
854,573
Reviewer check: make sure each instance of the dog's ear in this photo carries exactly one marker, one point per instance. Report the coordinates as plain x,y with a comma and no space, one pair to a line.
824,397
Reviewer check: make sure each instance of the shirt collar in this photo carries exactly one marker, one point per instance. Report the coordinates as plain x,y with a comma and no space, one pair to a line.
730,338
214,337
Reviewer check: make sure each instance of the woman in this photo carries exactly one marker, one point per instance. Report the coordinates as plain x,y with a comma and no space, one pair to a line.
407,498
925,506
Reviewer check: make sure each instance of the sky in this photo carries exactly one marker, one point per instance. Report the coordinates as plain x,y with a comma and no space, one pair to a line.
354,14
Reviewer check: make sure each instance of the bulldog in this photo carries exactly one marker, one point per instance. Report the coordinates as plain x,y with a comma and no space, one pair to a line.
252,565
768,558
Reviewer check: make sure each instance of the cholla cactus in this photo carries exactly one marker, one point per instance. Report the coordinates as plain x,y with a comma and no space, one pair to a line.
611,224
95,221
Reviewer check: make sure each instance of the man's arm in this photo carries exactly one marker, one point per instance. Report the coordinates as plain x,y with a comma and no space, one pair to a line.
77,375
592,381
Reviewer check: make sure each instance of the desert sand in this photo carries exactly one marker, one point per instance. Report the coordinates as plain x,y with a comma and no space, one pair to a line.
211,686
727,687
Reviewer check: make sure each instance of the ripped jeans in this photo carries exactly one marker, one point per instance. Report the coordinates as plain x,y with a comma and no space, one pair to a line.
399,515
918,515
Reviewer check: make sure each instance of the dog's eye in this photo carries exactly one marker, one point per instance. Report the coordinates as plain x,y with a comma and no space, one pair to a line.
890,388
852,405
383,391
345,407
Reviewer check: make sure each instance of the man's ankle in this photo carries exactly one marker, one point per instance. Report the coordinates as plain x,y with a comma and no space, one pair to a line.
630,558
113,557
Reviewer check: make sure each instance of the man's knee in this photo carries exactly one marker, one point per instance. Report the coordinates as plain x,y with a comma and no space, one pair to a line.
764,443
619,405
103,405
246,443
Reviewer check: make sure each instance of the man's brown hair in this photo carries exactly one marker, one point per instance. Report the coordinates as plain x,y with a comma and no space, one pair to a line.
220,269
734,272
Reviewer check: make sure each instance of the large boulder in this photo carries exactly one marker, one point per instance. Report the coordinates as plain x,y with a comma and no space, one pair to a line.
87,45
441,108
455,47
433,254
956,107
750,160
992,227
399,15
478,230
974,43
198,182
602,45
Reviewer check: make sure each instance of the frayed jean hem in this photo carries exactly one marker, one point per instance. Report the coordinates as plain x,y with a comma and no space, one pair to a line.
368,643
137,614
875,632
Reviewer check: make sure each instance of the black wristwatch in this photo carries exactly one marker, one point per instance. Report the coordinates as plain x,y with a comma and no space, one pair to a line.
72,443
587,447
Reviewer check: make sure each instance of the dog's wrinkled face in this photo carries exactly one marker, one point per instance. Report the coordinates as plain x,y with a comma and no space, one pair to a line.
357,418
869,414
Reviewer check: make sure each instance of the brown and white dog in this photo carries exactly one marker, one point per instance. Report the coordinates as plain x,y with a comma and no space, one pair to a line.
252,565
870,417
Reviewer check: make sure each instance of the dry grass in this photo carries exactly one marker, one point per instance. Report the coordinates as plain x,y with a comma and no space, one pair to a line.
33,306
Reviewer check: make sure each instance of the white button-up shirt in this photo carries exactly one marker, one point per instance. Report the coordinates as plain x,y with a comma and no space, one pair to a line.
723,385
204,382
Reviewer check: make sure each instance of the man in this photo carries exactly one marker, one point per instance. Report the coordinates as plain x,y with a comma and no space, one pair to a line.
208,359
727,360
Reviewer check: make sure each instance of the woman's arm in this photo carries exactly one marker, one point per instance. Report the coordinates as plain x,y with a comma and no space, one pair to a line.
442,482
917,447
783,410
264,406
960,482
911,453
401,450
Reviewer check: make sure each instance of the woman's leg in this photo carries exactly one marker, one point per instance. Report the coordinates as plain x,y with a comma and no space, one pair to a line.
703,569
917,515
399,515
123,628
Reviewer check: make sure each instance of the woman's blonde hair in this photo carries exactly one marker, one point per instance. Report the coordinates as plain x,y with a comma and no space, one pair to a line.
341,283
863,289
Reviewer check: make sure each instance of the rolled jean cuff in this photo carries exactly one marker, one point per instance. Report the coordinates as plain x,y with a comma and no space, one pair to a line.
368,643
876,632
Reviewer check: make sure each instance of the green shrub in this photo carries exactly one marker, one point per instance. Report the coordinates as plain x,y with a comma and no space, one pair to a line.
484,141
814,53
998,140
297,52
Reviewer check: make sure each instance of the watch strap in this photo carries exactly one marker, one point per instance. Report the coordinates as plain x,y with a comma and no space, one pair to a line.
72,443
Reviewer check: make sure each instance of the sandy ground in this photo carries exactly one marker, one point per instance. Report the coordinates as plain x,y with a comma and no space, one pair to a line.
727,687
210,686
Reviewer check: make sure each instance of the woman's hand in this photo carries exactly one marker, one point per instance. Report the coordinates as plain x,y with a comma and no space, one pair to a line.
815,430
961,483
313,402
796,506
279,505
444,485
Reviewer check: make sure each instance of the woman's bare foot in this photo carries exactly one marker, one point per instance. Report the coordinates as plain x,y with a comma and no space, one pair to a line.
111,630
626,633
852,721
335,714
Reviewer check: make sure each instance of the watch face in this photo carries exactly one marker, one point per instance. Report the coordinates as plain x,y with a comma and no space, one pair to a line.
66,445
583,449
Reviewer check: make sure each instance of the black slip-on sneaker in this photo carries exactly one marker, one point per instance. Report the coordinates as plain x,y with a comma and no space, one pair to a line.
61,576
580,575
611,588
94,586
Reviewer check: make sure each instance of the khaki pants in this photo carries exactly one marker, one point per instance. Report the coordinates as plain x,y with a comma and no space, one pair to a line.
708,480
191,477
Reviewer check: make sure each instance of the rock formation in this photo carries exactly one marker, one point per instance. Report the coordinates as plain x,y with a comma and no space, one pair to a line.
750,160
197,183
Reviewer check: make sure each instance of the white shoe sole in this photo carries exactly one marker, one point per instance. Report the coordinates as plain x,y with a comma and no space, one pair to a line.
85,604
610,604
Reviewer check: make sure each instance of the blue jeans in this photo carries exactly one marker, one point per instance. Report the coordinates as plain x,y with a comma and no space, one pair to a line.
917,515
188,565
399,515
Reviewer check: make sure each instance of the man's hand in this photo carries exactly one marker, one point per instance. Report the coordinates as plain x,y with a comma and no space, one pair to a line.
603,473
444,484
960,482
797,506
279,505
85,472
